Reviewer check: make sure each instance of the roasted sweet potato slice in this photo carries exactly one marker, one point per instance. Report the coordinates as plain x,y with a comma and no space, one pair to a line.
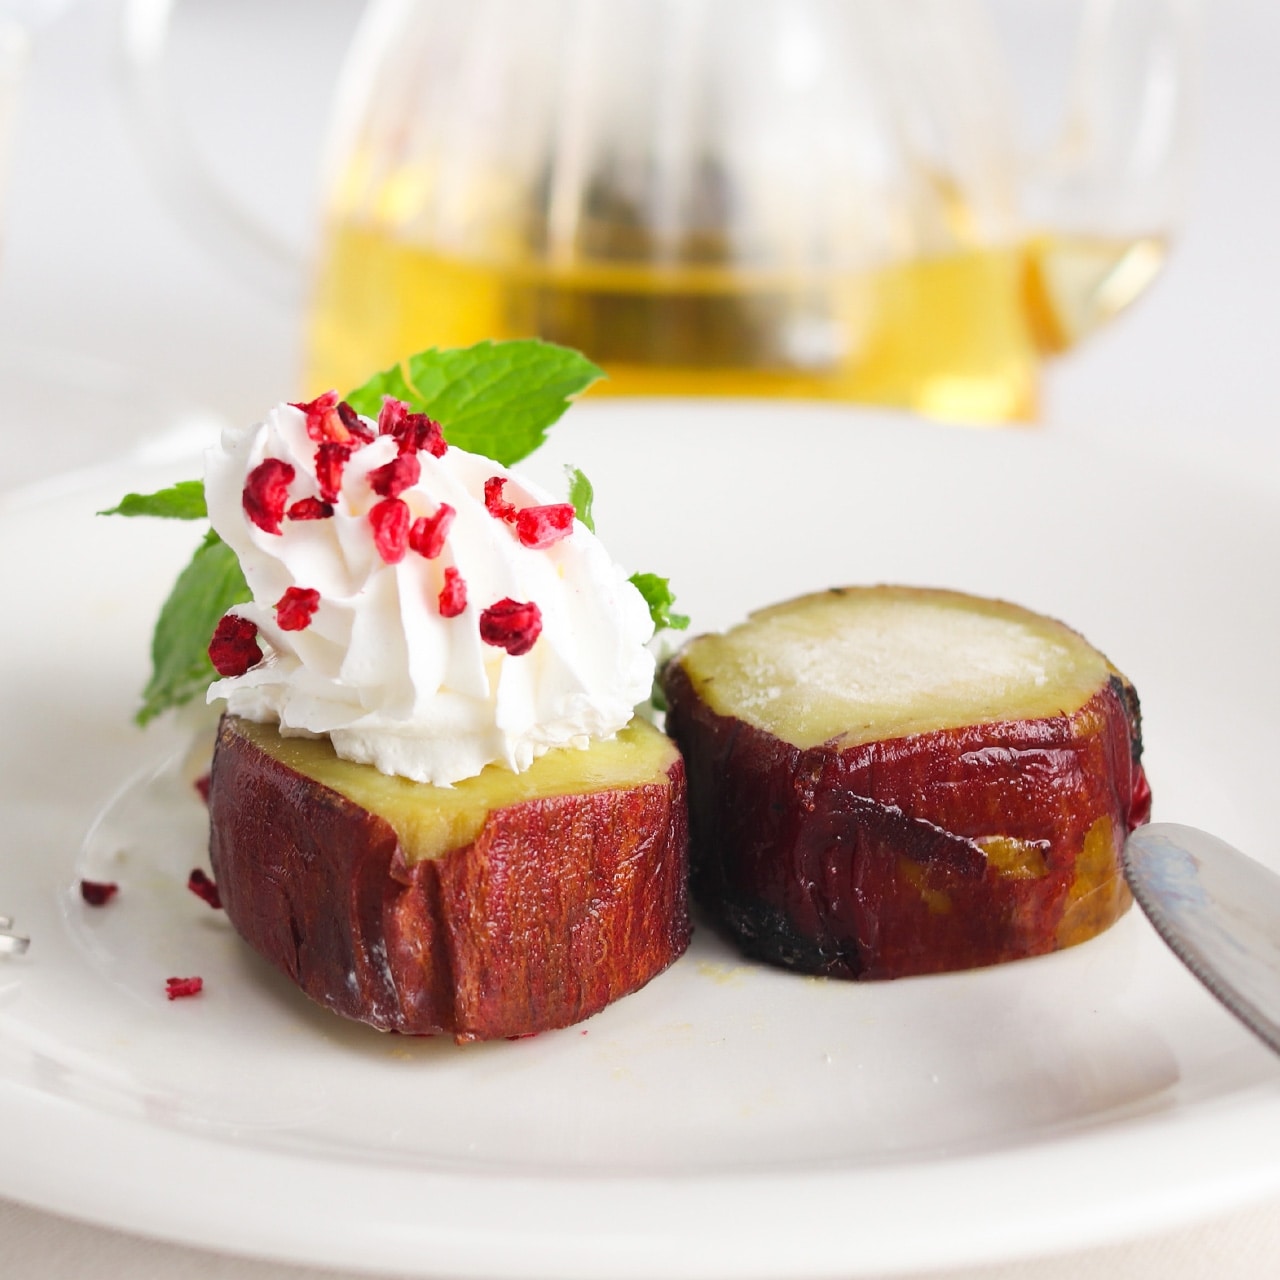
505,905
887,781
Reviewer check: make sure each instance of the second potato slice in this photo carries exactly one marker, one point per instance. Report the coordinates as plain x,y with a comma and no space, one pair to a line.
887,781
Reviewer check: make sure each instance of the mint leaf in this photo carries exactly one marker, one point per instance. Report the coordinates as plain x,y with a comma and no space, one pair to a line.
180,667
496,398
658,695
182,501
368,396
659,597
581,494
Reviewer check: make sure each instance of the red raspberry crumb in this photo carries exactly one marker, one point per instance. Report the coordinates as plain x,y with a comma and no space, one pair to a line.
353,423
177,988
331,460
401,473
323,422
540,527
204,888
329,418
234,647
266,493
310,509
296,608
453,595
428,533
97,893
417,431
412,431
390,521
494,502
391,415
201,785
325,401
511,625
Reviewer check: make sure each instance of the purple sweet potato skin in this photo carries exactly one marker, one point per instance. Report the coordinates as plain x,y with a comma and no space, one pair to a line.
873,862
559,907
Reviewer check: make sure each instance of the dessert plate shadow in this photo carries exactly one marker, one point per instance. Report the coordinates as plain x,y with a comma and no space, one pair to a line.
729,1119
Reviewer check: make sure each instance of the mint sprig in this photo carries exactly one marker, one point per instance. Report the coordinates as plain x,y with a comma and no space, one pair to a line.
497,399
180,668
581,496
181,501
659,597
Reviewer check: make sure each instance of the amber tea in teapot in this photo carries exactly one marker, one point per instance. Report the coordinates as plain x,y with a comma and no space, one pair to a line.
956,337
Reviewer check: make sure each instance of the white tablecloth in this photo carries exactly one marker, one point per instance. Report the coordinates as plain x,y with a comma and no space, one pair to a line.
1241,1246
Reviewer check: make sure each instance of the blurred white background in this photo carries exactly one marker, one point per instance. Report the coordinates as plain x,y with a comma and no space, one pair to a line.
95,263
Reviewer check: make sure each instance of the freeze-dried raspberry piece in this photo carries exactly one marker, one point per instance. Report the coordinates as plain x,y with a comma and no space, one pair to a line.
266,493
353,423
178,988
427,534
296,608
417,432
391,415
540,527
412,431
234,647
390,521
309,509
329,418
97,893
331,460
453,595
323,422
325,401
204,888
391,480
511,625
201,785
495,504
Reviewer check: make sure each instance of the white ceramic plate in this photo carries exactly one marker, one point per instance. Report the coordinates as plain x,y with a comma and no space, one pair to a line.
728,1120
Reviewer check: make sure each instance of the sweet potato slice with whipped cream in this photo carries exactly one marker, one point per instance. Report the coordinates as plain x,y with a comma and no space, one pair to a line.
507,904
887,781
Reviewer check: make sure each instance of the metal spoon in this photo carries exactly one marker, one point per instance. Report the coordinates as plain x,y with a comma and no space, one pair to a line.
1220,913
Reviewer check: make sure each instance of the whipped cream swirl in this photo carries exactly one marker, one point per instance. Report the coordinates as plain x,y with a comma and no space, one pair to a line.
377,667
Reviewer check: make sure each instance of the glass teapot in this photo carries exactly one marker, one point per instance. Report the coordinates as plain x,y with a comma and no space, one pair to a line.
829,198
